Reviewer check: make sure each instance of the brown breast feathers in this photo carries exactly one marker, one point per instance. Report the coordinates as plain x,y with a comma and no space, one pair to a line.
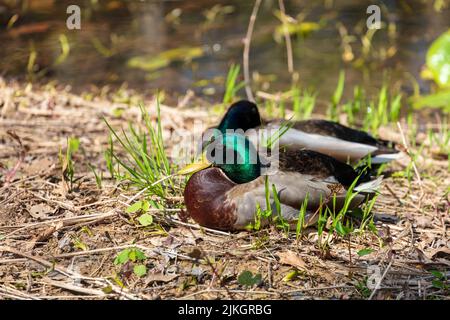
206,202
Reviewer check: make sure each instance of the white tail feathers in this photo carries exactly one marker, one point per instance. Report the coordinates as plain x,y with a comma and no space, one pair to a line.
370,186
383,158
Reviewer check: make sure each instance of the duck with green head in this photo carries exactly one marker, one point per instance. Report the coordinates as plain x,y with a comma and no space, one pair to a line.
223,194
327,137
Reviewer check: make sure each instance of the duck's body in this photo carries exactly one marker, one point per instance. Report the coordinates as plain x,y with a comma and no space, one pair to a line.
327,137
214,200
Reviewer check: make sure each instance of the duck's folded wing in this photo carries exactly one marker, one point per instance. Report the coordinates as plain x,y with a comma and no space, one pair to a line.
292,190
337,130
318,165
337,141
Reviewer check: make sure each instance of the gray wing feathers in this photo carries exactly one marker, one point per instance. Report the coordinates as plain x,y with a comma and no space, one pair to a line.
292,189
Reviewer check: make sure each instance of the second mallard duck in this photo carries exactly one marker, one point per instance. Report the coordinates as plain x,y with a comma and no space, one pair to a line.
327,137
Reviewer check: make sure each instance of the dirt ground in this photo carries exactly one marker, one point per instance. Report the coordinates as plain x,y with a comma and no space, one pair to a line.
56,244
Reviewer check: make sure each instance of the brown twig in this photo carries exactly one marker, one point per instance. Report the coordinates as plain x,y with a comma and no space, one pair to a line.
377,286
287,37
246,53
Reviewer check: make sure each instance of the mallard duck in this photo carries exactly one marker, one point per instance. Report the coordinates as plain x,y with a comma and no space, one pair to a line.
224,194
327,137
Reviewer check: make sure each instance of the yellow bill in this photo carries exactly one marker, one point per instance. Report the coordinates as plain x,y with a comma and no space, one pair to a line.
196,166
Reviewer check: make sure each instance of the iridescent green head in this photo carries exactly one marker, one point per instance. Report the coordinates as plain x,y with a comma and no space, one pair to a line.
236,156
241,115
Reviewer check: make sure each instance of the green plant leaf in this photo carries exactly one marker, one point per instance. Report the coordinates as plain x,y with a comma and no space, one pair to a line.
246,278
291,276
153,63
337,95
438,60
140,270
73,144
122,257
80,245
438,284
136,255
341,229
118,281
364,252
145,206
437,274
135,207
145,219
439,99
128,254
107,289
302,28
155,204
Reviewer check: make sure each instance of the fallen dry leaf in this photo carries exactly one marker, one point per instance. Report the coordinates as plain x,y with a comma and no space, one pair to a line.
195,253
38,166
439,253
39,211
330,277
44,236
292,259
160,277
424,222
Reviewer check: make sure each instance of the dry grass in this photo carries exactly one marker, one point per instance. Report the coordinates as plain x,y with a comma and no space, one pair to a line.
56,244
